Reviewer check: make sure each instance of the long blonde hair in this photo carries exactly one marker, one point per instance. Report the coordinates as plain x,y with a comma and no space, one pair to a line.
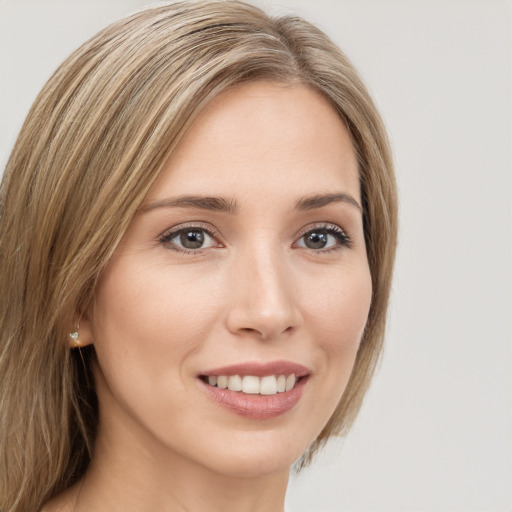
94,141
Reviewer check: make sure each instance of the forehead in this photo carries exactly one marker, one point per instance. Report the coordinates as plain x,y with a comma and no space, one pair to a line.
263,137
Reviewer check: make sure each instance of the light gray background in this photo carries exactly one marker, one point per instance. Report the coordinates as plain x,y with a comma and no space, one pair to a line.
435,433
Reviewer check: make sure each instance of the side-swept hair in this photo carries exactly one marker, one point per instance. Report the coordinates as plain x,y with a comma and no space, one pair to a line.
96,138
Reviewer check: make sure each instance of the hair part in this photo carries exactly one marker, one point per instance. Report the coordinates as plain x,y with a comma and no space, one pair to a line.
96,138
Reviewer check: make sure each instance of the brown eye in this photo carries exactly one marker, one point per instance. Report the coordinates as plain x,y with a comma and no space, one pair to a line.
191,239
324,239
315,240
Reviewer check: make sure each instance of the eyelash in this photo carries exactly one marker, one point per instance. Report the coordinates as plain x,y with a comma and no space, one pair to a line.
166,238
343,240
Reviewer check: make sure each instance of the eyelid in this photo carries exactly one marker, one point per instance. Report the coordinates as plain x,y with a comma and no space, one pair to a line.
343,239
173,231
329,227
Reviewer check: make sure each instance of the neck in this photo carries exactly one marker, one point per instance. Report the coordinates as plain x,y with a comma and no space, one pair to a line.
129,473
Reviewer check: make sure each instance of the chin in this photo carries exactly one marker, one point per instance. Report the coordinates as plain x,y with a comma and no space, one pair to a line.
256,454
255,466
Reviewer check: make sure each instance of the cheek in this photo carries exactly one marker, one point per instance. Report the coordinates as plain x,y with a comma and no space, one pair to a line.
147,326
339,310
149,323
156,299
336,318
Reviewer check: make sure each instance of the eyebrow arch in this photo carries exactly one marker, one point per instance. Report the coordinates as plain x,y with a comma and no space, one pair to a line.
219,204
310,203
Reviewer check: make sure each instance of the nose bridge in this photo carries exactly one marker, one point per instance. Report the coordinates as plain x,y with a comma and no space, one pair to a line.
264,299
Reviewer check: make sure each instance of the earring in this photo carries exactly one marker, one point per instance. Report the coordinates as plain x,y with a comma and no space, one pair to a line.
75,337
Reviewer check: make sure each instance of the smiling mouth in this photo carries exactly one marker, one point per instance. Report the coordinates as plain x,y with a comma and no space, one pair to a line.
256,390
253,385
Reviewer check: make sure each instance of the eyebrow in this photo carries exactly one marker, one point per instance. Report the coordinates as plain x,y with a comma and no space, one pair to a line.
218,204
231,206
310,203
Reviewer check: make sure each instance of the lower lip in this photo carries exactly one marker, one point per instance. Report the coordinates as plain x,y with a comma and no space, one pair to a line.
259,407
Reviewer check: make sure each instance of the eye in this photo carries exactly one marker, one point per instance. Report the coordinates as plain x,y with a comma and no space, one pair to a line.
324,238
189,239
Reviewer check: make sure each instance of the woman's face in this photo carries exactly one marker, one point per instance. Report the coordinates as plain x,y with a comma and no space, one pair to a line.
247,258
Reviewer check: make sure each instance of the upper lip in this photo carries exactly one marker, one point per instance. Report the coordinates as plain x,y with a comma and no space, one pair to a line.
259,369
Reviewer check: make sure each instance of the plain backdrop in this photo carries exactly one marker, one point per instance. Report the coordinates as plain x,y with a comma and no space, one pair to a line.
435,432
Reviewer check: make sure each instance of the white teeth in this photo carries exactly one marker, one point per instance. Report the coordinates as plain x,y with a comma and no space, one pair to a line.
290,382
251,385
281,383
235,383
268,385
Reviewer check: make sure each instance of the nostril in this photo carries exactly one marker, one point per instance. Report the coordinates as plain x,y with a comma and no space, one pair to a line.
266,333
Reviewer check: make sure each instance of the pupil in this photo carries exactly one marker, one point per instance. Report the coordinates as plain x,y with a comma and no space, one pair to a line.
316,240
192,239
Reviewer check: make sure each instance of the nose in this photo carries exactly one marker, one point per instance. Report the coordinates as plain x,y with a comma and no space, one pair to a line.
264,296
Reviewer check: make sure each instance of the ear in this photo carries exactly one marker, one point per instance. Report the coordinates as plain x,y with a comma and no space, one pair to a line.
81,336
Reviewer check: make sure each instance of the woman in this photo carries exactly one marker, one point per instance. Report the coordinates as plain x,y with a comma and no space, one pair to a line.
198,227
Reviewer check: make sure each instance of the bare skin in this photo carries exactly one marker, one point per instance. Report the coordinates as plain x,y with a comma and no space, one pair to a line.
279,275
